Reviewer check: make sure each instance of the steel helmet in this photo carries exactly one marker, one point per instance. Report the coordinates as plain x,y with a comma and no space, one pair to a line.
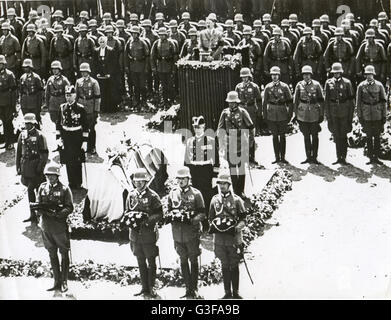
306,69
374,23
192,32
307,30
338,32
133,17
232,96
185,16
52,169
5,26
336,68
106,16
140,174
266,17
293,17
285,23
257,23
11,12
173,24
201,23
370,70
324,18
315,23
212,16
27,63
224,178
183,172
82,27
30,27
245,72
92,23
33,14
58,28
83,14
159,16
69,21
120,23
30,118
146,23
229,23
58,14
275,70
277,32
109,29
247,30
238,17
85,67
381,16
162,31
370,33
56,65
135,29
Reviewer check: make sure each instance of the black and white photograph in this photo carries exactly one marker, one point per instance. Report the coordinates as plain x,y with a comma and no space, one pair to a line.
208,150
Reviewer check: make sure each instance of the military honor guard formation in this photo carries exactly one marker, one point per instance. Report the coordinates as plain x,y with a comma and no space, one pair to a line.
79,67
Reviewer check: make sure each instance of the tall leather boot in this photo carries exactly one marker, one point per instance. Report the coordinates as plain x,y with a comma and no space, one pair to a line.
276,147
307,146
370,149
282,148
337,141
235,282
186,278
143,269
194,278
56,272
376,150
64,271
315,147
227,282
152,277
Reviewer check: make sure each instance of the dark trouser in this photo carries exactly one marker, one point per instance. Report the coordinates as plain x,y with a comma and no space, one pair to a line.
310,132
147,272
165,80
373,130
190,273
32,185
138,80
238,177
54,242
74,172
279,146
230,267
91,143
6,116
339,128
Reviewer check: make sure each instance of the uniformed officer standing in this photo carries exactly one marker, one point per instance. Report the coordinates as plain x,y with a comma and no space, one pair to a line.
308,52
34,48
56,204
15,23
10,48
30,90
202,158
371,53
55,90
250,97
309,111
191,47
278,111
187,200
84,49
236,136
339,108
7,101
278,53
228,205
143,240
93,30
136,66
371,111
61,49
88,94
31,157
72,136
163,57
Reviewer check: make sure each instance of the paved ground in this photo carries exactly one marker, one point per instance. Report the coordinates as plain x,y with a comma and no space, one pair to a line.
333,240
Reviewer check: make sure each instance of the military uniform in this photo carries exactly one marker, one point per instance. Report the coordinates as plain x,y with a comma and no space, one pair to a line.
55,234
72,128
277,111
143,241
30,91
136,65
309,111
372,54
231,206
10,48
31,157
339,107
278,53
308,53
7,103
117,78
371,111
190,48
84,52
340,51
152,83
34,49
55,94
256,48
163,57
186,235
233,121
89,96
61,49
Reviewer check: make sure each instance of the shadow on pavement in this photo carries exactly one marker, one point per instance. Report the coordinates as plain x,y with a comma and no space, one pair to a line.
33,232
381,171
323,171
296,172
353,172
8,157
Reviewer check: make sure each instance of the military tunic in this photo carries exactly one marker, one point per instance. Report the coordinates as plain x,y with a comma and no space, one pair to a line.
30,91
83,52
61,49
250,98
34,49
31,157
54,227
278,53
55,94
227,205
308,53
340,51
187,235
7,103
372,54
143,241
10,48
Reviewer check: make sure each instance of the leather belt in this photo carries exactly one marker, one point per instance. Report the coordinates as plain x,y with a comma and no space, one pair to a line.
71,128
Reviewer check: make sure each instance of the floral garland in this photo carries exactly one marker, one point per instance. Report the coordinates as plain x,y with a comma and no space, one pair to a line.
89,270
357,138
157,120
229,61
